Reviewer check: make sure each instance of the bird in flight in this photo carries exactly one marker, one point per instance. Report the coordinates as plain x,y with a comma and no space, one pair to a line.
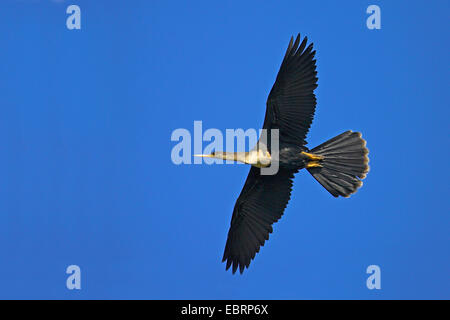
338,164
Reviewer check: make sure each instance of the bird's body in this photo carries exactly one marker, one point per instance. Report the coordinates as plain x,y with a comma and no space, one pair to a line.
338,164
293,157
289,157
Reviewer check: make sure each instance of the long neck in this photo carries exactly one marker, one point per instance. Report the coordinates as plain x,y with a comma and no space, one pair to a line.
233,156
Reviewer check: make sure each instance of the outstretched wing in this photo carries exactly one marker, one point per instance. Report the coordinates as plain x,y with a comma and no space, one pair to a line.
261,203
291,102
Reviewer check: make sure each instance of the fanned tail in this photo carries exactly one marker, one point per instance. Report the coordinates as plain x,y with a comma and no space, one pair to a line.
343,165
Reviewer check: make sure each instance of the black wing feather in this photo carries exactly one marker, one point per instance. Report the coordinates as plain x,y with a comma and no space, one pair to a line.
291,103
260,204
290,108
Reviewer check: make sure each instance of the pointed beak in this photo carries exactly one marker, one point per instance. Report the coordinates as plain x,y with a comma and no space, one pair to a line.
203,155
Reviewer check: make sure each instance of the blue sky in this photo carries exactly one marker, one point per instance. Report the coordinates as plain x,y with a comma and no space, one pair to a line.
86,176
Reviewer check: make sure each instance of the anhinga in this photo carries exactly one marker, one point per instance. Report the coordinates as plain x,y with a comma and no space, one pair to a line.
338,164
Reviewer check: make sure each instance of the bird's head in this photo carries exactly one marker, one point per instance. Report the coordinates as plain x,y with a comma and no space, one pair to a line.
233,156
215,154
